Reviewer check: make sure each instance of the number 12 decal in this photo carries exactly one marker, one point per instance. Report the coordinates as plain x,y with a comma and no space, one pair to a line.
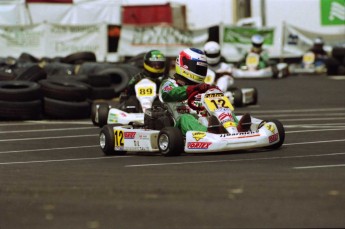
119,138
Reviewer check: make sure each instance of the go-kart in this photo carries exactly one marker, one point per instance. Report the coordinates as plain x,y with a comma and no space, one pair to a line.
157,133
250,69
238,96
131,109
310,65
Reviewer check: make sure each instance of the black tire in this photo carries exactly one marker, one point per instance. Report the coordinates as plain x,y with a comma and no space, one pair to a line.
107,141
102,93
66,110
79,58
255,96
238,97
170,141
103,111
29,110
281,132
34,73
97,80
66,90
119,78
94,111
20,91
6,75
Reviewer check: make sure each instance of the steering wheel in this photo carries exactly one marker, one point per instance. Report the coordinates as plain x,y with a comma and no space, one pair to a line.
191,100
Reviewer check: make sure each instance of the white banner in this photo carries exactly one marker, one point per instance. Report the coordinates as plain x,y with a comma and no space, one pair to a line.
297,41
50,40
169,40
63,40
15,40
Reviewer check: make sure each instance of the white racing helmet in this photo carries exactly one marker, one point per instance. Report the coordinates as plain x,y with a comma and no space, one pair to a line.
257,40
212,52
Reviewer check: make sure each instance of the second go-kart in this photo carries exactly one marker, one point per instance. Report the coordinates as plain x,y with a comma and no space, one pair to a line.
251,70
311,64
158,134
238,96
130,110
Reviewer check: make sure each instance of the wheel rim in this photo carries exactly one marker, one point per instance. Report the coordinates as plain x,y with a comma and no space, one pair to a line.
163,142
102,140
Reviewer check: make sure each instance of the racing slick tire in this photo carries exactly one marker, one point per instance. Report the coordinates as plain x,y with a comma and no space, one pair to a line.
94,112
170,141
107,141
20,91
238,97
281,132
255,96
103,111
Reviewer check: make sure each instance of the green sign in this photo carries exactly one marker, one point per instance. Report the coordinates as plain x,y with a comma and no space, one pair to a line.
332,12
242,35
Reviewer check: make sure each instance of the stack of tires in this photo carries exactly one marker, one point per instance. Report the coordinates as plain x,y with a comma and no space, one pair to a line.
65,99
20,100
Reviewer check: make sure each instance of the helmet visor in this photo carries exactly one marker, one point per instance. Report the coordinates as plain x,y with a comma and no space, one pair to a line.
212,55
195,66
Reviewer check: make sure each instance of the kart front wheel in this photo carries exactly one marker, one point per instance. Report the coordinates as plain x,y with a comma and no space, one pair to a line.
281,132
170,141
107,141
103,111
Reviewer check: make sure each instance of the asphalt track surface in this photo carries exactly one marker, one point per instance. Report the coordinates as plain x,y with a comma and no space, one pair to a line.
54,175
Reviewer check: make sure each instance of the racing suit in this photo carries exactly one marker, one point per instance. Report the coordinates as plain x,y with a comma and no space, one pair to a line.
175,96
220,75
130,89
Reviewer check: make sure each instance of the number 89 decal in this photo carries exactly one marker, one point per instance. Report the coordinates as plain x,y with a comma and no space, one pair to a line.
119,138
145,91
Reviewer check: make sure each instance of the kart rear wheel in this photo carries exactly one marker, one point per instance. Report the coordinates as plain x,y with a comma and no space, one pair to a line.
170,141
238,97
103,111
107,141
281,132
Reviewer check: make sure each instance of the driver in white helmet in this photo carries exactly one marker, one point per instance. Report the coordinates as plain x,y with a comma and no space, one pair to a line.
257,43
220,73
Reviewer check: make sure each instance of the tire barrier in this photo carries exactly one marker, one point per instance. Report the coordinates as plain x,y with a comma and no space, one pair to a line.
20,100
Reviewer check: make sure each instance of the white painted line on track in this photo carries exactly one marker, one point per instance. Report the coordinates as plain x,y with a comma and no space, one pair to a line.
49,149
300,110
30,123
46,130
316,142
304,131
310,119
234,160
61,160
45,138
319,166
303,115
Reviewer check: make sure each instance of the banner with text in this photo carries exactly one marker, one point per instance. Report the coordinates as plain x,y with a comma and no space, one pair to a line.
297,41
169,40
237,40
51,40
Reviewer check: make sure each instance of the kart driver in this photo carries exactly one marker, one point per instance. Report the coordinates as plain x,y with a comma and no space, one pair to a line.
191,70
154,67
318,49
216,63
257,42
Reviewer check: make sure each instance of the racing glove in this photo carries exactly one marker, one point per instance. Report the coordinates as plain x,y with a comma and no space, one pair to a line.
203,87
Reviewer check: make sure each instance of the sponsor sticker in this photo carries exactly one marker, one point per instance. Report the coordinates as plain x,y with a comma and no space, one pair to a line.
198,135
129,135
198,145
273,138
